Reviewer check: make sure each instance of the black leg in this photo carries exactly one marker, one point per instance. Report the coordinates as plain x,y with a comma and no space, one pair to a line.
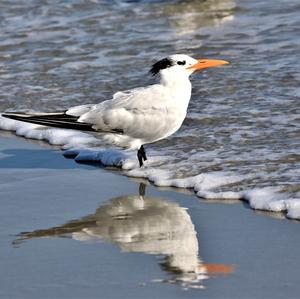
140,157
141,154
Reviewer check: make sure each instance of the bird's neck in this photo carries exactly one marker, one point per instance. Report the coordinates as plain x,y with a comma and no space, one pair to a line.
179,87
173,78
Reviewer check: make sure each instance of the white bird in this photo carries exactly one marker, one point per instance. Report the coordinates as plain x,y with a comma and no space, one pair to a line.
138,116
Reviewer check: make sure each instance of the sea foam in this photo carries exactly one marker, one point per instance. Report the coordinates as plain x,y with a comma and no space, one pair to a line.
84,147
267,199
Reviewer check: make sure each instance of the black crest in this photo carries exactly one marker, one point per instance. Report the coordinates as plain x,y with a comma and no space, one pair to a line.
161,65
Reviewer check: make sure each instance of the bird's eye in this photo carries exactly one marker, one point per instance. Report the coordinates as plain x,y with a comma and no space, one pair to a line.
181,62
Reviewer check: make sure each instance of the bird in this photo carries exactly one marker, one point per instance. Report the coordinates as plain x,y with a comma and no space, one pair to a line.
138,116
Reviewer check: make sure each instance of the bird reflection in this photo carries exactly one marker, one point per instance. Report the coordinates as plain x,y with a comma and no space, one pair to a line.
139,223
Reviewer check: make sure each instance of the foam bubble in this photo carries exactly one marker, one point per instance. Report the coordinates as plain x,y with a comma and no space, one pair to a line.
65,138
293,208
268,199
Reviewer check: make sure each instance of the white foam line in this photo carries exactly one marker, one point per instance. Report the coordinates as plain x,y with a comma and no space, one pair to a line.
266,199
65,138
81,146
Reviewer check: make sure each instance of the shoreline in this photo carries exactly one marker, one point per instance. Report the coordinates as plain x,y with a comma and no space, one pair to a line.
277,208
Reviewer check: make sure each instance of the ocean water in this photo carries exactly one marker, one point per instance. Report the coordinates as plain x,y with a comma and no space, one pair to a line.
241,138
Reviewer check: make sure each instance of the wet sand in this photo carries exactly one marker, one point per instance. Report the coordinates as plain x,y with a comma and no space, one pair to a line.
71,230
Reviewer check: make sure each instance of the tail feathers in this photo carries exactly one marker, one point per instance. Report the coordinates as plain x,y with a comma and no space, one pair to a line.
57,119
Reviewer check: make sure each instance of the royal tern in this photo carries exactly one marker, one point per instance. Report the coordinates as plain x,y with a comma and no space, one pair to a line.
138,116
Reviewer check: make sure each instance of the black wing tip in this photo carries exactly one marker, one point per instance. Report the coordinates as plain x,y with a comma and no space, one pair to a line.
57,119
15,115
32,114
12,114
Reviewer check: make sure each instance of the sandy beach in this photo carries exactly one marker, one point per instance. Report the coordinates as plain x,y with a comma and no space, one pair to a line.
71,230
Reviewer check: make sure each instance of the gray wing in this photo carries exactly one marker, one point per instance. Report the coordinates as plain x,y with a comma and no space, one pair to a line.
139,113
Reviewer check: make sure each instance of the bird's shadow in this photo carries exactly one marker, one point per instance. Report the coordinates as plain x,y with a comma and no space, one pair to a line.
38,158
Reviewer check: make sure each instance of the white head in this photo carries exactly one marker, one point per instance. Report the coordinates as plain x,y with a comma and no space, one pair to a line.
180,66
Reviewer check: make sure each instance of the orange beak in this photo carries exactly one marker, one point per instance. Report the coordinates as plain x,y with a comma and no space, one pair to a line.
205,63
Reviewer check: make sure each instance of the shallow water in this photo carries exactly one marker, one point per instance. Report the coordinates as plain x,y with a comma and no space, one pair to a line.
70,230
243,120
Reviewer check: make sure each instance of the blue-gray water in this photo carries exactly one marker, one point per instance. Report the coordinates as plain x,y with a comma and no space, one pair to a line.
243,118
